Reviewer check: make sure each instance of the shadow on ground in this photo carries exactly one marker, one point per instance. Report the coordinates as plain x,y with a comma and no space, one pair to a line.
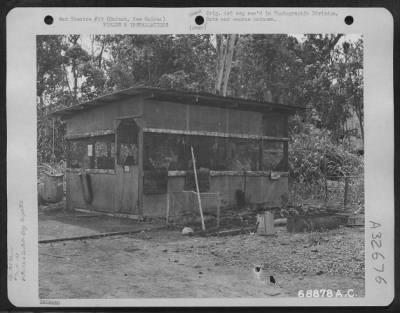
55,223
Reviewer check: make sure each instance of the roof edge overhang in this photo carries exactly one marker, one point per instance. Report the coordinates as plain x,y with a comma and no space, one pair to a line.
160,94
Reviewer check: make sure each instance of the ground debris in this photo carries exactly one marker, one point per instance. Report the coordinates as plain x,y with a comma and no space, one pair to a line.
132,249
229,260
338,255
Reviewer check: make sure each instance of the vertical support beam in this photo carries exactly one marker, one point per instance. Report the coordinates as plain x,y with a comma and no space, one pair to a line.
139,123
218,209
346,187
197,190
244,186
286,155
116,193
167,214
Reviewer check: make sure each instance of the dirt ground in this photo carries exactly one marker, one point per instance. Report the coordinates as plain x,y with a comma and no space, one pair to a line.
164,263
56,223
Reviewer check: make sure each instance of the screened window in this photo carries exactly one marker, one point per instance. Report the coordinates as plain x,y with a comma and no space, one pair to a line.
165,151
78,153
127,143
91,153
274,155
243,154
210,152
172,152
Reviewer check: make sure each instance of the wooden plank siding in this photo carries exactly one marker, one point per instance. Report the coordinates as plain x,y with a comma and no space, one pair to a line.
191,117
101,118
158,114
170,117
103,195
259,190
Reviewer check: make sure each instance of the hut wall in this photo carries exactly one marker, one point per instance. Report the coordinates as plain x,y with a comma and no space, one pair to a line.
164,115
193,117
179,116
103,195
259,190
173,116
102,117
98,119
156,204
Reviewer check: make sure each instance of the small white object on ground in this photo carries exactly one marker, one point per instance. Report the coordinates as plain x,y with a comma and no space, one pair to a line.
187,231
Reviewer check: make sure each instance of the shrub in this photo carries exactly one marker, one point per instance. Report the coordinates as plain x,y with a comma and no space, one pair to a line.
314,156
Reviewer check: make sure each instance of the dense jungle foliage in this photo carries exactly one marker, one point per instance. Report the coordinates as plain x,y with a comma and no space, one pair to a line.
323,73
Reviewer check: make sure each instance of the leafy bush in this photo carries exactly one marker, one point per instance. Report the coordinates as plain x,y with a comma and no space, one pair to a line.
313,155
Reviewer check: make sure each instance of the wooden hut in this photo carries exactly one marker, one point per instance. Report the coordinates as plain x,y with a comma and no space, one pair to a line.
129,152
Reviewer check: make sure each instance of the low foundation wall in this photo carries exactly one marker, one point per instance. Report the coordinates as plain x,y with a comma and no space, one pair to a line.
257,190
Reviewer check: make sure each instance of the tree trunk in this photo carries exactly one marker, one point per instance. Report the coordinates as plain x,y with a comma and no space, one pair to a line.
221,50
361,122
357,105
100,57
74,71
66,80
225,50
228,62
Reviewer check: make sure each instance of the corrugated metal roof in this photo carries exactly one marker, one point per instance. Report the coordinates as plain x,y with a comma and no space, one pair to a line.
179,96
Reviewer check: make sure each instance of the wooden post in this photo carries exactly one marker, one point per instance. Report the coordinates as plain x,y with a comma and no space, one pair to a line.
346,186
244,186
197,190
218,208
265,223
167,217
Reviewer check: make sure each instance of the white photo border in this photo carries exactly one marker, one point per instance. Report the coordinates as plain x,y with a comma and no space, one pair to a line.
24,24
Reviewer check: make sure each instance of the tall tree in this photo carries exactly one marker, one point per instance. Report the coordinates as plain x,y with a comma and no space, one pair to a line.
50,74
354,83
225,45
316,72
50,87
77,57
266,68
